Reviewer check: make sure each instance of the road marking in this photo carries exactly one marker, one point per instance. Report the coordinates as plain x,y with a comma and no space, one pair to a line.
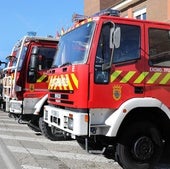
16,130
13,124
31,167
37,139
64,155
7,119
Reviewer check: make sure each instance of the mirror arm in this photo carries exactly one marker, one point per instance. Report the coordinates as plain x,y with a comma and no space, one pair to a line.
106,66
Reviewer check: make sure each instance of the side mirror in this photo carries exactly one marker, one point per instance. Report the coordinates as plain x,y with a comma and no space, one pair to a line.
33,66
115,35
3,63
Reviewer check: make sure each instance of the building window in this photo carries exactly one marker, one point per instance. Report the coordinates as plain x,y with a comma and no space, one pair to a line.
140,14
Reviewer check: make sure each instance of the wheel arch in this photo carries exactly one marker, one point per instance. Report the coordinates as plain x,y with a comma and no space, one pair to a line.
39,105
146,109
155,115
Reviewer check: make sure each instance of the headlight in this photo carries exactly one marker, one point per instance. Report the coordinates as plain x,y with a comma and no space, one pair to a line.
70,123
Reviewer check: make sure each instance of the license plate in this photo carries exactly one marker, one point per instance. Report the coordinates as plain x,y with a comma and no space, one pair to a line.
58,96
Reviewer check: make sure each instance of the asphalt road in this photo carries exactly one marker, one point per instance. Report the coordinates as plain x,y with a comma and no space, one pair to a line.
22,148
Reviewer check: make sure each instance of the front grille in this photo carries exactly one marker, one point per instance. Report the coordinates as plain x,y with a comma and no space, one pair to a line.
60,97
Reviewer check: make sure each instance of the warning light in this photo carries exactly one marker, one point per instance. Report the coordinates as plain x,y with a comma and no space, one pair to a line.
109,11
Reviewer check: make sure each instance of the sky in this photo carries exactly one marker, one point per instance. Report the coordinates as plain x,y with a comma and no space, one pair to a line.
45,17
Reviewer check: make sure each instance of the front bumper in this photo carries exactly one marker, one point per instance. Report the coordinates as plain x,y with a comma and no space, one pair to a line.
72,122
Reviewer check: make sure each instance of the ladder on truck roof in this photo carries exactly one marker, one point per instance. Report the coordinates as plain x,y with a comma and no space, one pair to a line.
10,72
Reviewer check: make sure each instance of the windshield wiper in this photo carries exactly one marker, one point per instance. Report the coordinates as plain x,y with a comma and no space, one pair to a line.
65,64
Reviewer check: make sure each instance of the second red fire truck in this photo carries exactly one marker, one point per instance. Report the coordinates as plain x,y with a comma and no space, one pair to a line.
25,82
111,87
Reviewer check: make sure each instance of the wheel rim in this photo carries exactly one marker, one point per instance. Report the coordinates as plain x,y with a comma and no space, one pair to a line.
143,148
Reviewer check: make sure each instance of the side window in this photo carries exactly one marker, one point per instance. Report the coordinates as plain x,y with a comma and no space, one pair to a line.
159,47
103,54
129,44
103,50
21,57
40,59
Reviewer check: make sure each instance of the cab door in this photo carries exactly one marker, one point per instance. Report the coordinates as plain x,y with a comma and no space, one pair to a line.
124,78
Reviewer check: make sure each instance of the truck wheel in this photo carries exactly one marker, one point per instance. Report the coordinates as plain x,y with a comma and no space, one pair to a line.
51,133
139,147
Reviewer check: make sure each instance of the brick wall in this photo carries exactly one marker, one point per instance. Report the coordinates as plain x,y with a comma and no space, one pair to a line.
157,10
93,6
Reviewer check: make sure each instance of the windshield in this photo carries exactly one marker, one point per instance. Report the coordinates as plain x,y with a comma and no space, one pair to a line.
74,46
21,57
45,57
17,57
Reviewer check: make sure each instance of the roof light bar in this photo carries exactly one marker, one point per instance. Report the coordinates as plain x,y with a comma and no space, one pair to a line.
111,12
78,17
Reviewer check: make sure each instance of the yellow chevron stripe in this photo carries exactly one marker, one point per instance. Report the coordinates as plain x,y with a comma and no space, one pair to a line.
41,78
55,82
63,82
115,74
75,80
60,82
153,78
165,79
69,83
141,77
127,77
50,81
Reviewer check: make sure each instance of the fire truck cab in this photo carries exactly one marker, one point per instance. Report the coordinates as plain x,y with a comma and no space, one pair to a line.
25,81
111,87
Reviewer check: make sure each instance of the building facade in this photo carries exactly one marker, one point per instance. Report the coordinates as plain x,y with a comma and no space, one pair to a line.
156,10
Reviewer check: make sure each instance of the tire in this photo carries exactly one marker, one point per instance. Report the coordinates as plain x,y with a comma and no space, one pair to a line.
52,134
139,147
33,124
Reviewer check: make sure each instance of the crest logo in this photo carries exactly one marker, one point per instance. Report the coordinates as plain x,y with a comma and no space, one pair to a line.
117,92
31,87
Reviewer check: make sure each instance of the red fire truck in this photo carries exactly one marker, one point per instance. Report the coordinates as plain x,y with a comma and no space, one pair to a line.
111,87
25,82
